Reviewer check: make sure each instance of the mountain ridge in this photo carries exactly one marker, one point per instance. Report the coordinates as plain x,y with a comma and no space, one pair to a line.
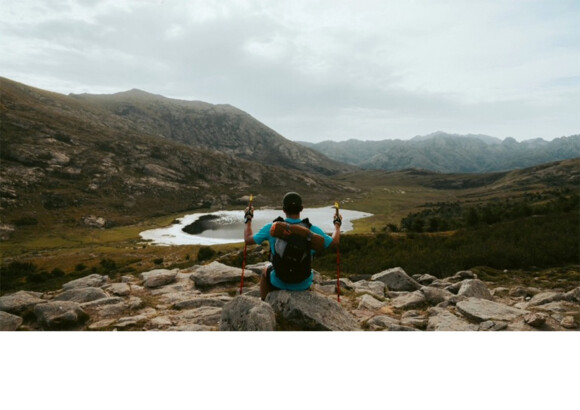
444,152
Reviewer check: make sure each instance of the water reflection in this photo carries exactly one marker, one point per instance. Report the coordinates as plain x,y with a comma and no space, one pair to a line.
228,226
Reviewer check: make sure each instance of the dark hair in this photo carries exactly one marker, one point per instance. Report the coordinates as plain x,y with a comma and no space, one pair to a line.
292,203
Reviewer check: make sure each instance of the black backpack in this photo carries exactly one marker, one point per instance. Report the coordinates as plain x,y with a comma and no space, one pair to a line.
292,258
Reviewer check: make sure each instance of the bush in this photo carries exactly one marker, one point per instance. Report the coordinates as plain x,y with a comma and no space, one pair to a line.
80,267
205,253
158,261
57,273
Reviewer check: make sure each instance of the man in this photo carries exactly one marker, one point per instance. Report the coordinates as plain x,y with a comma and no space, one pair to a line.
292,206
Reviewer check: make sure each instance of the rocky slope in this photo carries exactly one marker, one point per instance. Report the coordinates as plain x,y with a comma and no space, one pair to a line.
132,156
442,152
205,298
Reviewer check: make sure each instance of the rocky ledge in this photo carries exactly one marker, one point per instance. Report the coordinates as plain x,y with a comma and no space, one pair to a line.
206,298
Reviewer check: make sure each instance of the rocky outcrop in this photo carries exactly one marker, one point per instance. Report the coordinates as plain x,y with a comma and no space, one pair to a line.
205,298
309,311
396,279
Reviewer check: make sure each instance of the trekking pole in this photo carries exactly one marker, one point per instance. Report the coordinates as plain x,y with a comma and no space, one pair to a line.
245,249
337,261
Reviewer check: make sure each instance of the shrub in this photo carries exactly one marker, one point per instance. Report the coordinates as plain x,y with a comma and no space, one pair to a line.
158,261
205,253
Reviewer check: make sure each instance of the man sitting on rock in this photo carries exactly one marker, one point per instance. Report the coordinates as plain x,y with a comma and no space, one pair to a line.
291,256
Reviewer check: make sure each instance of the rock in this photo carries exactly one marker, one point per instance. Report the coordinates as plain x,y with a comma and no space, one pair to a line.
216,273
20,303
474,288
245,313
82,295
369,303
500,291
374,288
381,322
93,280
345,284
443,320
60,315
219,301
535,319
454,288
520,291
203,315
158,277
481,310
490,325
464,274
545,297
414,319
120,289
95,221
309,311
568,322
410,300
9,322
434,296
426,279
396,279
573,295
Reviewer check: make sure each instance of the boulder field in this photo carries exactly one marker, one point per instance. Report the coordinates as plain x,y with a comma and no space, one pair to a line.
206,298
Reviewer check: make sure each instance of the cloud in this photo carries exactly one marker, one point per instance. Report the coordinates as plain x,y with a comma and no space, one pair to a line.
317,70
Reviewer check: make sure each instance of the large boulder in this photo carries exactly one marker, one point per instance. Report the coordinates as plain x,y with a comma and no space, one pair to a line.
94,280
309,310
60,315
397,279
443,320
9,322
374,288
158,277
82,295
410,300
217,273
245,313
474,288
482,310
20,303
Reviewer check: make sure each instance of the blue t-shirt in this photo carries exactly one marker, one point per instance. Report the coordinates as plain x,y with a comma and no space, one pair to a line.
264,235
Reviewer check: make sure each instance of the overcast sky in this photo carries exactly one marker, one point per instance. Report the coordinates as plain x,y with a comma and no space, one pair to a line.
317,70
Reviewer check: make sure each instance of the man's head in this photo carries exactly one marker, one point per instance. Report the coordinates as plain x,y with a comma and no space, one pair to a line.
292,203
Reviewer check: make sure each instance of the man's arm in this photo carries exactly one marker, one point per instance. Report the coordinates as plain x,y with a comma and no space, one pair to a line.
248,233
336,235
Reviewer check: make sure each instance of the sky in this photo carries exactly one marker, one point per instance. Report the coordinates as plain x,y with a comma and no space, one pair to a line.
317,70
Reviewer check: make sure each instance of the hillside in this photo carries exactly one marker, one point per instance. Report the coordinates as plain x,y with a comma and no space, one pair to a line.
134,155
443,152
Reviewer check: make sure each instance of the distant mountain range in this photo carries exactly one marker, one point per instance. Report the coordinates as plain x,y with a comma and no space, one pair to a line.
444,152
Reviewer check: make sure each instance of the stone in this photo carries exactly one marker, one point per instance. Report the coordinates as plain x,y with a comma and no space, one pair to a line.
309,310
94,280
82,295
426,279
20,303
490,325
158,277
216,274
245,313
568,322
381,322
545,297
396,279
410,300
481,310
434,296
535,319
414,319
369,303
443,320
120,289
573,295
464,274
9,322
58,315
374,288
203,315
474,288
219,301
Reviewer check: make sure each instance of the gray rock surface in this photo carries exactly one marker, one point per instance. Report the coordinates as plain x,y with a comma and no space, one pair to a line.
216,274
245,313
82,295
474,288
60,315
9,322
397,279
20,302
481,310
93,280
309,311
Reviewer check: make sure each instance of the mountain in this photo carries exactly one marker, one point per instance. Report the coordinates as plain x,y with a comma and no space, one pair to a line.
444,152
221,127
133,155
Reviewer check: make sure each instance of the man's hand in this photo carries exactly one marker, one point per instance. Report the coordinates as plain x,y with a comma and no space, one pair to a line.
337,219
248,214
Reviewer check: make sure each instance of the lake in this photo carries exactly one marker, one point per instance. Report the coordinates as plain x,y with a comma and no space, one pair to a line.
228,226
